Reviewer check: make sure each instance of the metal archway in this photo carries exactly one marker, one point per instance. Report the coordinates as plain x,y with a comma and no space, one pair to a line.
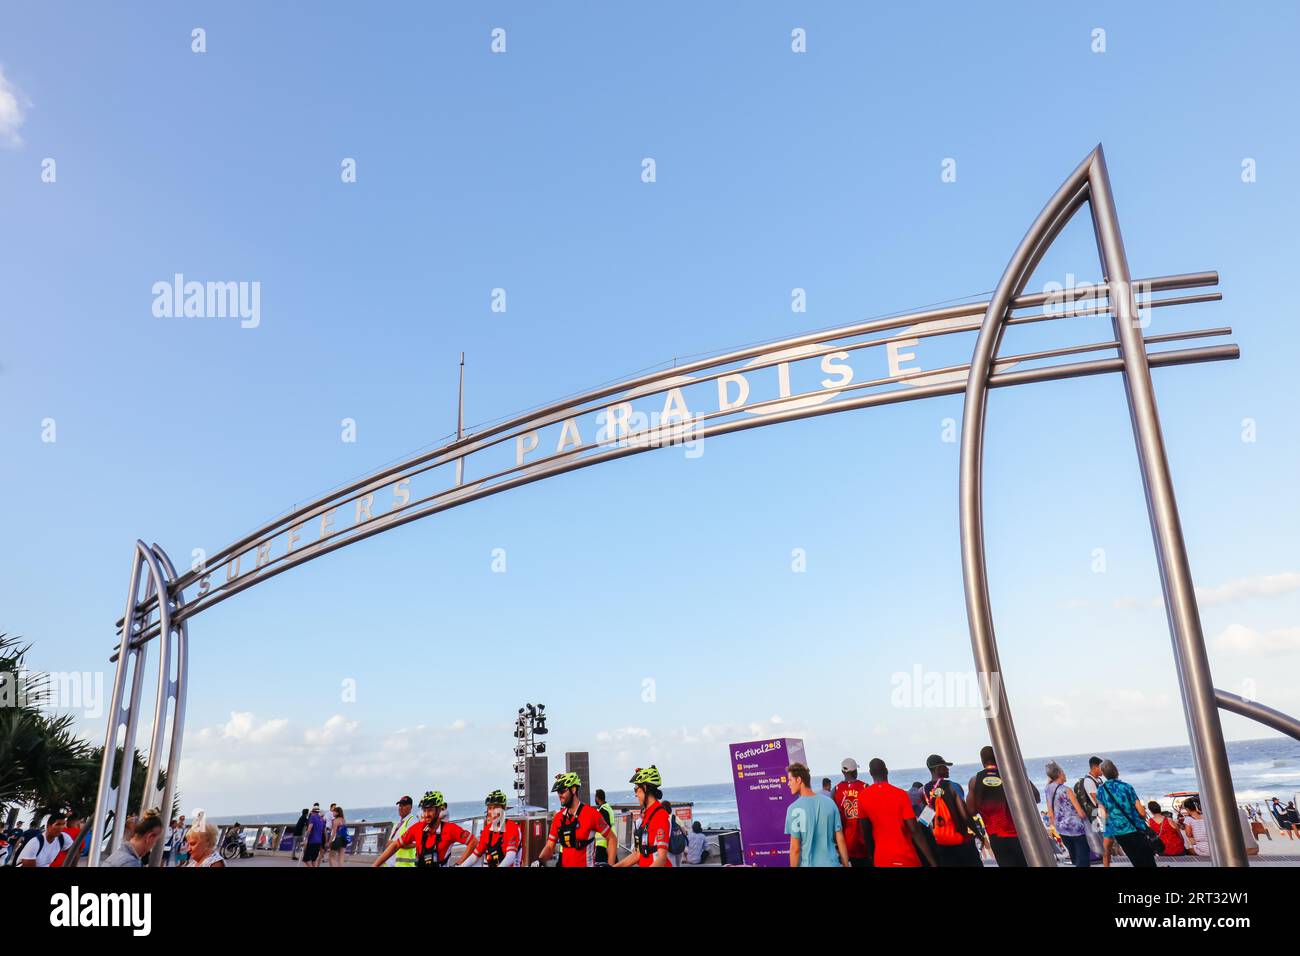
152,568
171,599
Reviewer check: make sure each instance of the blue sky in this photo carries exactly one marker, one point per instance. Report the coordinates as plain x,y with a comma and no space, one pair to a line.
522,171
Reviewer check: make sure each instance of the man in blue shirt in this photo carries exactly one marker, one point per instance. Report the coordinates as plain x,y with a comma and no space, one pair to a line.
813,824
315,837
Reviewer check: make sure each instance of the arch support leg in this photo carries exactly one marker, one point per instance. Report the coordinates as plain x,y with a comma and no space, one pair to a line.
151,573
1200,705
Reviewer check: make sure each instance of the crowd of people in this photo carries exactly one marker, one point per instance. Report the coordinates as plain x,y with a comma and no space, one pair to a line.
580,835
938,823
851,824
63,835
324,838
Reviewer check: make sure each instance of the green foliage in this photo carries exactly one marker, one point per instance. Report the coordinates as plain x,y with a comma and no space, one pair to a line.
44,765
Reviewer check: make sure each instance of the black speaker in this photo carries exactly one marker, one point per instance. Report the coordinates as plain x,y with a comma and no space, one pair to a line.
537,782
580,763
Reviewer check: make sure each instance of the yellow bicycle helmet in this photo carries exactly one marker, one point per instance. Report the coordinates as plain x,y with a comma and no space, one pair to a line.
648,775
563,781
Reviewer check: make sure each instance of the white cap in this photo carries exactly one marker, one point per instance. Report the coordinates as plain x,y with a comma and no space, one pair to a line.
849,765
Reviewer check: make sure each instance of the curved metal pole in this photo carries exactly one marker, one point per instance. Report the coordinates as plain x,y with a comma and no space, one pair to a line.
997,709
165,605
117,717
1209,752
180,689
1282,723
169,690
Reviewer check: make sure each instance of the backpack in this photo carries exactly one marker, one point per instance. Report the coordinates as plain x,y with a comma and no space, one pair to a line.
1085,799
676,837
65,843
944,827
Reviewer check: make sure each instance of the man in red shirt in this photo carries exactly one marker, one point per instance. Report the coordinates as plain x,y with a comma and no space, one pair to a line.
500,839
575,826
656,826
848,796
894,828
431,836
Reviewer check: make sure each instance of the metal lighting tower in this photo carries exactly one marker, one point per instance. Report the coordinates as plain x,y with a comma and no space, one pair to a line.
529,724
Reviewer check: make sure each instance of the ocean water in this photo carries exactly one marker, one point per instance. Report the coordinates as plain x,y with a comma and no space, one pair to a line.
1261,769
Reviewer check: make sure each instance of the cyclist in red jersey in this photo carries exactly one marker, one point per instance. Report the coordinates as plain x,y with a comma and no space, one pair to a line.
432,837
499,841
574,827
656,827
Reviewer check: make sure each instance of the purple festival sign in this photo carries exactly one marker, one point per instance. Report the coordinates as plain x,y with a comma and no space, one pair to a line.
762,796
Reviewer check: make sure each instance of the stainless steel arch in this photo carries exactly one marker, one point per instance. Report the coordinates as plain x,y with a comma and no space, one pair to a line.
1090,183
843,340
164,609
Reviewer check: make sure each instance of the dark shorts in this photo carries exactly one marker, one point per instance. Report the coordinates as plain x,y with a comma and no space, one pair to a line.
311,853
963,854
1007,851
339,843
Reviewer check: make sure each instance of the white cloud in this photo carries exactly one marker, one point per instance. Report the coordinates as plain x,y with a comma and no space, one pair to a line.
775,726
255,764
622,734
1239,639
245,728
13,111
1262,585
336,729
1060,712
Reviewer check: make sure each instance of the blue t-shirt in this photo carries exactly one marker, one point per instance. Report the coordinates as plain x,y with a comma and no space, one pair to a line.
315,828
1120,803
815,821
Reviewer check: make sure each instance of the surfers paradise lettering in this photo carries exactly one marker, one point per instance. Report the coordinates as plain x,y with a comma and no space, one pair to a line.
676,410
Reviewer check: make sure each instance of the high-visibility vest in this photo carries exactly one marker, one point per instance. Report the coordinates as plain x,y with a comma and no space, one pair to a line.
405,856
600,840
